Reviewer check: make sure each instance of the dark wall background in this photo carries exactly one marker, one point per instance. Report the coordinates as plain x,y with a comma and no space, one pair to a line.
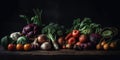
105,13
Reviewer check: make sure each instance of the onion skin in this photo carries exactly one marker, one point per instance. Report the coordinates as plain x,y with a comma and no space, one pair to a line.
35,45
45,46
41,38
99,47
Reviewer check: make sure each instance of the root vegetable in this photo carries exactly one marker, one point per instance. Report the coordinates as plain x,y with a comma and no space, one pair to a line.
35,45
71,40
75,33
113,45
103,43
98,46
61,41
46,46
106,46
42,38
83,38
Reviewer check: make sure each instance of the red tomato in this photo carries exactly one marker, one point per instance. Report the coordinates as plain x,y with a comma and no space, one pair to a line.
11,47
71,40
75,33
83,38
19,47
27,47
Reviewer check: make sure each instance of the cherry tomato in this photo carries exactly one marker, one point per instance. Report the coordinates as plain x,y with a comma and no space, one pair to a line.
75,33
83,38
19,47
27,47
71,40
11,47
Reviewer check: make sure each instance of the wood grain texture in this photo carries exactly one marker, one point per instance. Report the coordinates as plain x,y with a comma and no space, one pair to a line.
61,52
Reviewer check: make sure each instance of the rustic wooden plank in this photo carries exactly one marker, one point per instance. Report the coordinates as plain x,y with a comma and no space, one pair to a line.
62,52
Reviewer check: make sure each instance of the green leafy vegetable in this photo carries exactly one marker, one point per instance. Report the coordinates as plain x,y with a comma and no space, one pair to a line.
35,19
22,40
86,26
5,41
53,31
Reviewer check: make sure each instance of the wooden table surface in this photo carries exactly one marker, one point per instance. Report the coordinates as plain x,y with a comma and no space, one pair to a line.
63,54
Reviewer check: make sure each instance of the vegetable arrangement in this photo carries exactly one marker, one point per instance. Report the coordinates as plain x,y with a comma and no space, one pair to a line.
83,35
34,24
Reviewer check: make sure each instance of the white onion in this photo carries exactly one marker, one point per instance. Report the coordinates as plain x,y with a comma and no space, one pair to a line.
46,46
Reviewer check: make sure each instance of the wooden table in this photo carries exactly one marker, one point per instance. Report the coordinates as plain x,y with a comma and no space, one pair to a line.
64,54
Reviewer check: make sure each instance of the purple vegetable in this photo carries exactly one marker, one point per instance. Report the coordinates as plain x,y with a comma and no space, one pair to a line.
30,30
85,46
89,44
94,37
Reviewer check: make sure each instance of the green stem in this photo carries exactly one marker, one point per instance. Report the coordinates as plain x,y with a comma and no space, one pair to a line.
38,14
53,41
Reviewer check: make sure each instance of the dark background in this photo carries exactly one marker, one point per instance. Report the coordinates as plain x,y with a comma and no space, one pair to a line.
63,12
